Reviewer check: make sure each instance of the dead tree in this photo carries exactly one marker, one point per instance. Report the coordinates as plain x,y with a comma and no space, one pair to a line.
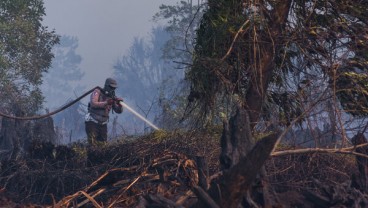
360,181
241,160
16,136
43,130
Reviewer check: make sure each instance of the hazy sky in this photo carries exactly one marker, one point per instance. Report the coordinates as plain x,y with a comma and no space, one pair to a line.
105,29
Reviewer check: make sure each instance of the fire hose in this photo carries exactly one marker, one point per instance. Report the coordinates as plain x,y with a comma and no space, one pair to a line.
72,103
50,113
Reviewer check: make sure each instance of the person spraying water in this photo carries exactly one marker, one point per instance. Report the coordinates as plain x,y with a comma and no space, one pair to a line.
102,102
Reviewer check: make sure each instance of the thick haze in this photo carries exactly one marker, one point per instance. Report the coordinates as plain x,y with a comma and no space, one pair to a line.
105,30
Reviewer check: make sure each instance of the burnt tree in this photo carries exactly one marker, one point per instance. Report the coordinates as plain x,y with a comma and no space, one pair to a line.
274,57
16,136
361,181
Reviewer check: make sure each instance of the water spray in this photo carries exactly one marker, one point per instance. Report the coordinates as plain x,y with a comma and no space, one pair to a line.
138,115
73,102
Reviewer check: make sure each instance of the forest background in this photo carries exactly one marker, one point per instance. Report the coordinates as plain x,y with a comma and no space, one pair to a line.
291,73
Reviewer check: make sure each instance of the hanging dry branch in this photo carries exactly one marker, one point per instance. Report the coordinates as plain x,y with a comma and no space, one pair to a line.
348,150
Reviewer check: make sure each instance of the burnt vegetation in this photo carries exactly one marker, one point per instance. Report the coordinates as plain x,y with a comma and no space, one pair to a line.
277,106
169,170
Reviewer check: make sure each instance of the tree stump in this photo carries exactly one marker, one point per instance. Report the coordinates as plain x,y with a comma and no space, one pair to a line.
43,130
15,137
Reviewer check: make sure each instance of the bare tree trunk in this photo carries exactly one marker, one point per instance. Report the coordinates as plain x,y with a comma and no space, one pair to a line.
264,64
236,139
202,172
236,181
361,180
15,137
241,162
44,131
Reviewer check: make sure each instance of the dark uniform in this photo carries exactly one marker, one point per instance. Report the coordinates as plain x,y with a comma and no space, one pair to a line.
99,107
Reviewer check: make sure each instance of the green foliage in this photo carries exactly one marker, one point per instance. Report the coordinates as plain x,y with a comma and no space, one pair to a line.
320,41
25,53
213,80
327,41
160,135
353,92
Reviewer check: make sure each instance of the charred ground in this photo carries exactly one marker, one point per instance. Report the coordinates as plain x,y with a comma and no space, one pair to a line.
163,170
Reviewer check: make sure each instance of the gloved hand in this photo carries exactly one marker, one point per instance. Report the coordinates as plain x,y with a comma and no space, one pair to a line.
118,100
110,101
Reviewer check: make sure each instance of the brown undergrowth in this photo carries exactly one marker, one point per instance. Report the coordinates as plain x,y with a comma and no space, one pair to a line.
158,169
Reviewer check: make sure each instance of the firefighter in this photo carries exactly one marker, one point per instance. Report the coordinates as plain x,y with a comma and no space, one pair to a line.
101,103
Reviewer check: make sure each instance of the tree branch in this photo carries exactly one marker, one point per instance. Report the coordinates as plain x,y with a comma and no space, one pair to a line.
234,39
204,197
348,150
